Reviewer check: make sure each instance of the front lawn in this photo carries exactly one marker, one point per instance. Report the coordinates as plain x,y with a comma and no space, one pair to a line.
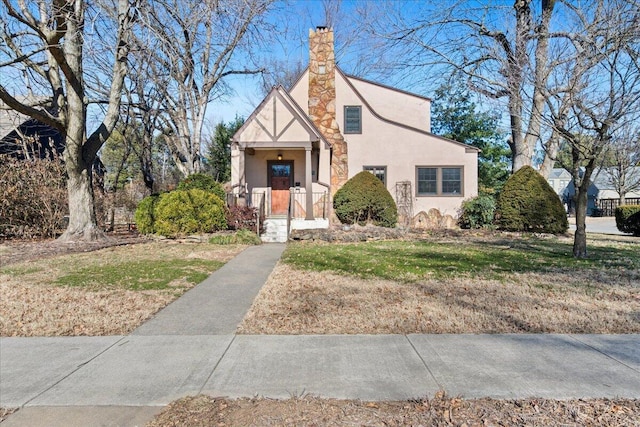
492,284
105,292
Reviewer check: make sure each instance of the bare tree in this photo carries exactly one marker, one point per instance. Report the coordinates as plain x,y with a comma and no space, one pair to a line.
143,113
497,48
192,46
622,165
598,92
44,42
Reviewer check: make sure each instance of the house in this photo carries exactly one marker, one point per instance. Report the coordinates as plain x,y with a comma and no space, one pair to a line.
24,137
601,194
302,144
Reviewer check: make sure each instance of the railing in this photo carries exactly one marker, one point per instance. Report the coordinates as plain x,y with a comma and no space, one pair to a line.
260,200
289,212
299,204
607,207
261,211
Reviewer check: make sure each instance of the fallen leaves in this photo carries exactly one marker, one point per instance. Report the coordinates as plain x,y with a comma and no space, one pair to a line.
440,410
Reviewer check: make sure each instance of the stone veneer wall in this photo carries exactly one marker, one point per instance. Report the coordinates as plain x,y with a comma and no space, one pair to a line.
322,101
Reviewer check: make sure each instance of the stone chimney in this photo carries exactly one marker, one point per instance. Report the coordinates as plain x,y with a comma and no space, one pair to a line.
322,101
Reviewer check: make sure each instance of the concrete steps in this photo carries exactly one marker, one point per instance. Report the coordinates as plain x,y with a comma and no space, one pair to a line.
275,230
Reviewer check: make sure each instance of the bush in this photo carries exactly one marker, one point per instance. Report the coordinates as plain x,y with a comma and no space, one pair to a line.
364,199
189,211
240,237
528,203
243,218
203,182
477,212
628,219
145,214
34,197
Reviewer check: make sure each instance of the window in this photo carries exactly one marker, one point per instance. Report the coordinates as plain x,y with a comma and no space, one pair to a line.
427,181
439,181
452,181
379,171
352,119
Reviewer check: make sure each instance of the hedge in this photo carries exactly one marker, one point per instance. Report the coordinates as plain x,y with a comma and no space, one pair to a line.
628,219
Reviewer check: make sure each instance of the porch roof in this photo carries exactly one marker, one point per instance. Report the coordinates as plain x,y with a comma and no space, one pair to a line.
278,122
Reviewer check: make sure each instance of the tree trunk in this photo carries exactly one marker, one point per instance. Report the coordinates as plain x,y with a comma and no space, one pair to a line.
550,155
82,215
580,238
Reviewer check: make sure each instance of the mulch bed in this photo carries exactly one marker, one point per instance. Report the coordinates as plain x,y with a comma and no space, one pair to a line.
441,410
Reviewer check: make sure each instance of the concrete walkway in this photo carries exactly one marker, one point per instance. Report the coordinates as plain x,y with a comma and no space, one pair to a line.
190,348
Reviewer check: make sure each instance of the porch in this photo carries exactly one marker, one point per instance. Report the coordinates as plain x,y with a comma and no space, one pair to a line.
279,225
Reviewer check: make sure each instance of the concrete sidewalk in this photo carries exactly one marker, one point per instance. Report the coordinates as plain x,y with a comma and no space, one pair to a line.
144,372
190,348
217,305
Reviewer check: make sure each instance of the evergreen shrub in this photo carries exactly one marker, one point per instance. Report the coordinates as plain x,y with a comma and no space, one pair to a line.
477,212
628,219
528,203
203,182
145,214
183,212
365,199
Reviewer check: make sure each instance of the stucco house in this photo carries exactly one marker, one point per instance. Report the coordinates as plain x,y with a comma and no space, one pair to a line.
313,137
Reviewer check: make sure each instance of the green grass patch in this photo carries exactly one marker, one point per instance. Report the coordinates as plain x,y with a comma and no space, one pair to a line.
141,275
407,260
21,270
240,237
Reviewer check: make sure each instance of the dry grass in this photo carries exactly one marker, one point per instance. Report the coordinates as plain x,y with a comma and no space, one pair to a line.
582,299
439,411
32,304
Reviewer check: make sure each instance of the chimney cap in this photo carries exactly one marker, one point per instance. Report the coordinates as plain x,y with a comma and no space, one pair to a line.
321,27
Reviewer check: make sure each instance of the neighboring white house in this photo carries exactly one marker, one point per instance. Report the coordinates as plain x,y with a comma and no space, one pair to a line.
601,188
329,126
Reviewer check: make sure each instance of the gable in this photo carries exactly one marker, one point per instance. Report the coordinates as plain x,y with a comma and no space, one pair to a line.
394,104
278,121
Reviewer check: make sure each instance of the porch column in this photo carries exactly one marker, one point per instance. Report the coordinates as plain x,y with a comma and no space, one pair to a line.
242,179
308,184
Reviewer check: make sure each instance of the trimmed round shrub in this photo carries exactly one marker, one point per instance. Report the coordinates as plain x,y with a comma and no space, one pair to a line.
628,219
365,199
528,203
203,182
144,215
477,212
189,211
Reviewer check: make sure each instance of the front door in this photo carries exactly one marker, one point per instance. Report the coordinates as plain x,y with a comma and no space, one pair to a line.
280,180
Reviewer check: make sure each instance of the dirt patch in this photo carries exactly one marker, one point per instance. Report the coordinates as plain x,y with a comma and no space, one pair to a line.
14,251
307,302
439,411
33,305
